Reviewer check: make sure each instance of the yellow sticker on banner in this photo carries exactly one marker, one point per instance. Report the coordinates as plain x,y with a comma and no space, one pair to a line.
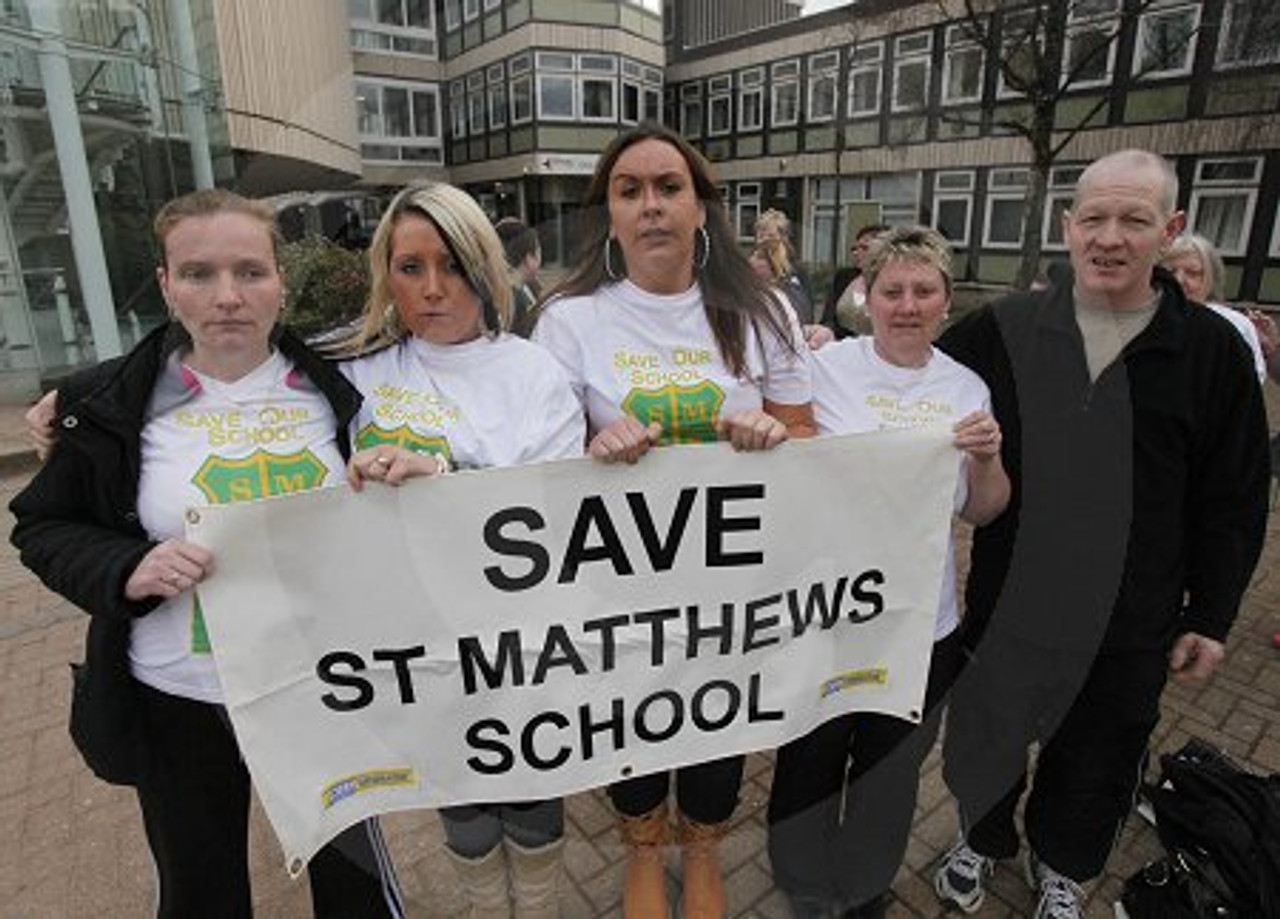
374,779
877,676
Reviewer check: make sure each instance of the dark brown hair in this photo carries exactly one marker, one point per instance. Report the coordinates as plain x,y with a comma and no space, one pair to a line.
733,296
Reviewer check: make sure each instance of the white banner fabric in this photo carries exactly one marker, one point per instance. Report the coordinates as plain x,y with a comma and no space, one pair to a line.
526,633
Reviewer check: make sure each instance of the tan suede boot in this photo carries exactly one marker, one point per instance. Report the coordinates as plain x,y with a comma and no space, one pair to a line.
703,896
484,883
644,886
535,878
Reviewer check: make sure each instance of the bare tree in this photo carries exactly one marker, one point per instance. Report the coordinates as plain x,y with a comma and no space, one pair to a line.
1044,51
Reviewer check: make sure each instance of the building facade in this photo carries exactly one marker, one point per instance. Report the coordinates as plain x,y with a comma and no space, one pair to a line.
881,110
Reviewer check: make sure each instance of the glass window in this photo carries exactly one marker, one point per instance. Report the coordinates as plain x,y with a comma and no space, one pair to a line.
555,96
751,110
396,118
786,103
521,100
470,9
720,109
1250,33
630,102
864,91
368,108
822,97
475,113
951,217
452,15
911,70
962,68
497,106
1018,33
910,84
1006,204
1223,197
652,104
691,117
599,99
1166,41
1089,54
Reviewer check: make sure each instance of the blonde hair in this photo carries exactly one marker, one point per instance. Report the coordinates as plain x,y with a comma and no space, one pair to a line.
1199,248
774,251
470,239
920,245
208,202
774,219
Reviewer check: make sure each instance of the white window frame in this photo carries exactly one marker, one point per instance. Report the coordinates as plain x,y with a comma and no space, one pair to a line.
1109,24
604,79
785,75
1210,188
904,57
434,139
960,43
751,83
513,94
1274,251
691,99
458,109
638,90
961,191
866,60
496,95
1003,90
572,81
1224,32
1003,192
1162,11
452,15
746,208
470,10
1061,189
824,71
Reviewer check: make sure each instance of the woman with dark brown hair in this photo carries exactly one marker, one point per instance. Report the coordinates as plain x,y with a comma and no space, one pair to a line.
670,338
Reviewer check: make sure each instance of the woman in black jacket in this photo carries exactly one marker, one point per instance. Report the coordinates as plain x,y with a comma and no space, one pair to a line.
216,406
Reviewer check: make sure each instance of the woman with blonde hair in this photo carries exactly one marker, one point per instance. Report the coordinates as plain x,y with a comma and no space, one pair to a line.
442,377
1196,264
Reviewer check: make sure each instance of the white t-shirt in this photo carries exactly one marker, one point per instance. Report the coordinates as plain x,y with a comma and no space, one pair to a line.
856,391
655,358
208,442
487,402
1248,333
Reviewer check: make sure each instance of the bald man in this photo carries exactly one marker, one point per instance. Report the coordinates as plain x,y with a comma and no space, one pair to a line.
1136,443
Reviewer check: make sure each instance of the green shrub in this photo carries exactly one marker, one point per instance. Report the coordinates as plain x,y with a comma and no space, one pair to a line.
326,285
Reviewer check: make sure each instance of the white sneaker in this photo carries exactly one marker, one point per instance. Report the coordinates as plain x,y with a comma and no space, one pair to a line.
1059,896
960,876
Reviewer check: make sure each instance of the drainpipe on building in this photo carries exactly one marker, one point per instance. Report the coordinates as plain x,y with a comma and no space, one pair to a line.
193,107
82,214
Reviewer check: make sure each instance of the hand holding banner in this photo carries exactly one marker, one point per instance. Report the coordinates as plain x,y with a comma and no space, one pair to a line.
530,632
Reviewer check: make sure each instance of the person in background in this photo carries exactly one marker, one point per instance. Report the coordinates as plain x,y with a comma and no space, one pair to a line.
441,377
524,258
773,224
845,309
102,522
770,261
1194,261
844,795
658,278
1135,440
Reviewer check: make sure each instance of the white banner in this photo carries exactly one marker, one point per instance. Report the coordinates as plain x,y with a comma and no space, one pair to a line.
526,633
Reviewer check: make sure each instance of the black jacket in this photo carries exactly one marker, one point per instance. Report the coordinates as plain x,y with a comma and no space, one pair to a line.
77,521
1140,499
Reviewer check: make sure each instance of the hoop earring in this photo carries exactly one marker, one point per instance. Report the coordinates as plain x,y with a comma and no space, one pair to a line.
701,263
608,261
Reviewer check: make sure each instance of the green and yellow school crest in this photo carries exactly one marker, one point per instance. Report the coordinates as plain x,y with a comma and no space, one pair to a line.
371,435
687,413
258,475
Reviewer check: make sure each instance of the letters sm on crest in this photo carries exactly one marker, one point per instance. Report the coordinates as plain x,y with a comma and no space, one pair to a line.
536,631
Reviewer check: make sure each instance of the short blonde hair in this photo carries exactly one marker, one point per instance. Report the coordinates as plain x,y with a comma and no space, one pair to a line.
917,244
1196,246
470,238
774,251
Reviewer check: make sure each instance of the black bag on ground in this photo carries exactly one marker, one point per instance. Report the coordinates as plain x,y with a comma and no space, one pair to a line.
1220,825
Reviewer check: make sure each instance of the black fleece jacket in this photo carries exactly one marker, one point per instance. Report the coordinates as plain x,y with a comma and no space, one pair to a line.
1139,499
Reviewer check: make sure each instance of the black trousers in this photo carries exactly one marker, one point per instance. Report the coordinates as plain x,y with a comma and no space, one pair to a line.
195,809
844,795
1093,717
705,792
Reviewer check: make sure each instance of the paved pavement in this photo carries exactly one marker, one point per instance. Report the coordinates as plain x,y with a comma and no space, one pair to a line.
73,846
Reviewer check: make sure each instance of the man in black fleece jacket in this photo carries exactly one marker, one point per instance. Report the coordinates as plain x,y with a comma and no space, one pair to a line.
1136,442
